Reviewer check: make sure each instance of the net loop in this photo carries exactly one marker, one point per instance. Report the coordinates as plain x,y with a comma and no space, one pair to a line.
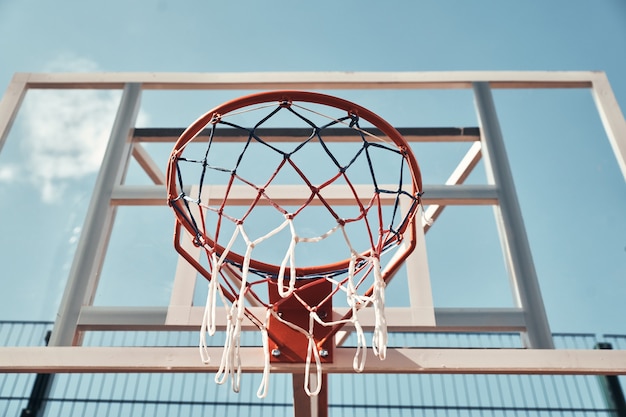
208,321
230,365
379,338
312,350
265,380
289,257
353,300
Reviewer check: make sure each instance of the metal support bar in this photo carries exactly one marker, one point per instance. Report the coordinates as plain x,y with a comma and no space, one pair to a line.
305,406
100,318
153,195
147,163
73,359
612,118
458,177
333,80
91,247
515,244
611,389
40,391
331,134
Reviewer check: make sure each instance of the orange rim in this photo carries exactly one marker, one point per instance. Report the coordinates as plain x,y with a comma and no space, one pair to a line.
289,96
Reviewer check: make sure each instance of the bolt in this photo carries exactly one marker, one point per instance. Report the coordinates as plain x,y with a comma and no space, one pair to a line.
275,353
323,353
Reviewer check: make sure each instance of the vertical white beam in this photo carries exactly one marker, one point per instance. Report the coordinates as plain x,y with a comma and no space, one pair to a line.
181,299
418,278
515,244
98,222
183,288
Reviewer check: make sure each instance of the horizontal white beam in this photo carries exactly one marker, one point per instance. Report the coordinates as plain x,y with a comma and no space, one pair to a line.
398,319
315,80
480,319
406,361
293,135
139,195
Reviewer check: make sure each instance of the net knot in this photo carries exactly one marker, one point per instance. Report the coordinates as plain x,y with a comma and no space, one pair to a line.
215,119
354,118
178,197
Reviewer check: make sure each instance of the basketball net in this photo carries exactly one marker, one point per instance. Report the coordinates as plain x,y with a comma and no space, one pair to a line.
298,324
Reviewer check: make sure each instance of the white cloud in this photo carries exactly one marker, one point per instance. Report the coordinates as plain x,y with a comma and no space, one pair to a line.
8,173
66,130
75,235
66,135
68,62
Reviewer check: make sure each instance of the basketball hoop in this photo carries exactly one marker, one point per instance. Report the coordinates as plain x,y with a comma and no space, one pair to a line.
228,200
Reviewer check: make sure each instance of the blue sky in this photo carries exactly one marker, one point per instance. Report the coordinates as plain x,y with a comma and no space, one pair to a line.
573,195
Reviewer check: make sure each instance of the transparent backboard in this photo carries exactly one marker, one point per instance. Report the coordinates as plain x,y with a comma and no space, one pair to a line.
503,235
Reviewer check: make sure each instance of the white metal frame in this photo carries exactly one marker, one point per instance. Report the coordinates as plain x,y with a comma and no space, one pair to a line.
77,314
399,360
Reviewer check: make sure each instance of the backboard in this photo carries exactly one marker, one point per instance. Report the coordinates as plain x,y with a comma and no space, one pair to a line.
121,218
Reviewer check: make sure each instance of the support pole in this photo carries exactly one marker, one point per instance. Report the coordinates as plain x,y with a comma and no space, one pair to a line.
305,406
612,389
513,236
40,391
83,276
